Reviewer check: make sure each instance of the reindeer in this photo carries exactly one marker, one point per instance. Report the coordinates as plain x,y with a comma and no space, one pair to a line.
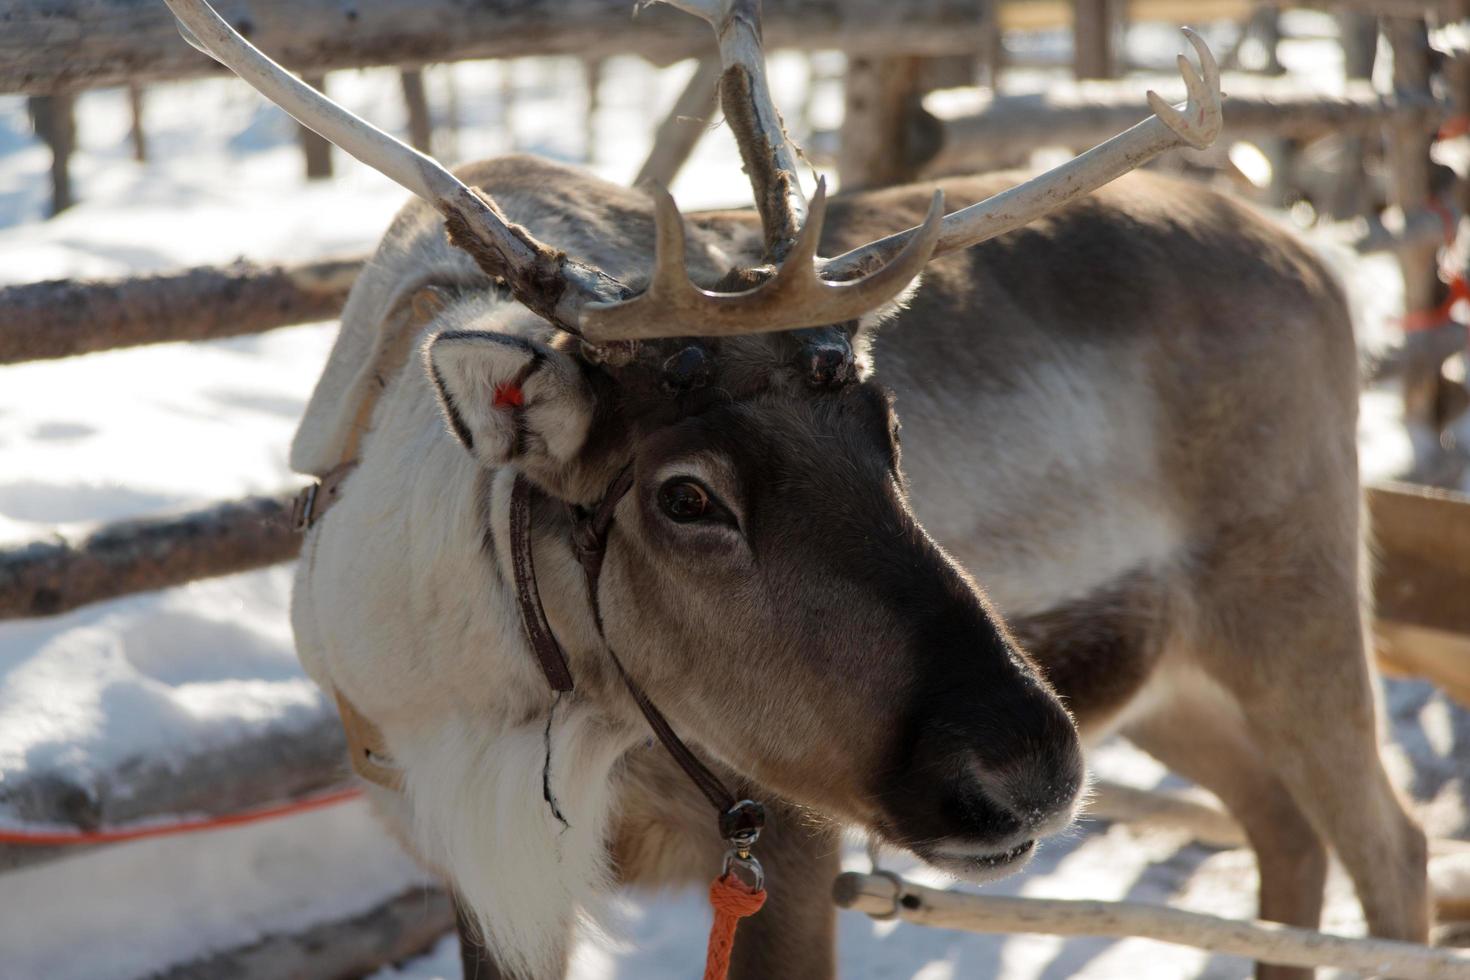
1129,414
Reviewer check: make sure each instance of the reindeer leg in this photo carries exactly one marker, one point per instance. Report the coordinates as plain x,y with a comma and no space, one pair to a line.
474,957
665,838
795,934
1205,740
1300,674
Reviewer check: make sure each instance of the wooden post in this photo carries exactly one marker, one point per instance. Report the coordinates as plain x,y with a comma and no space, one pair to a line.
887,136
508,103
592,71
993,48
420,122
686,122
318,151
54,117
449,131
1092,39
1409,169
1352,197
136,132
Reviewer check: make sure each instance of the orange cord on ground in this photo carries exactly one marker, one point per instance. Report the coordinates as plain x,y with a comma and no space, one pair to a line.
732,901
43,838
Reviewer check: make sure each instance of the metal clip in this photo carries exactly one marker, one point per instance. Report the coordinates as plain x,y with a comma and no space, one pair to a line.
302,506
753,876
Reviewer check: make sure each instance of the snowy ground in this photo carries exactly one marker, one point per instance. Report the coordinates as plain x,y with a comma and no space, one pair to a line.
114,435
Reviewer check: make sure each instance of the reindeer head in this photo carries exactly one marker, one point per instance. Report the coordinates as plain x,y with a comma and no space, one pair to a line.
765,579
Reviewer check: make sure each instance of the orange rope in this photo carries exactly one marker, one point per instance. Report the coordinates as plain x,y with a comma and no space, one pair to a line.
1453,127
1431,318
42,838
732,900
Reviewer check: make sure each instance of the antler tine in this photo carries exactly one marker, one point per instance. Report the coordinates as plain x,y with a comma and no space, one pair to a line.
794,297
745,96
543,279
1196,125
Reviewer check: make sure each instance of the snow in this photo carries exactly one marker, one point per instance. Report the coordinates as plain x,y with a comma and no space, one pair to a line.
114,435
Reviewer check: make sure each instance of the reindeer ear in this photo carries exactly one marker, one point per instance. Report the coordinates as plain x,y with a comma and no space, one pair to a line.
511,400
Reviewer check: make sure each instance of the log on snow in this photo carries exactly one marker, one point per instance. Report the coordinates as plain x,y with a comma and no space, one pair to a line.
404,926
75,44
275,766
1266,942
63,317
47,577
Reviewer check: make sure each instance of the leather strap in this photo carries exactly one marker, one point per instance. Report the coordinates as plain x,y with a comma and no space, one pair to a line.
548,652
367,750
314,501
739,819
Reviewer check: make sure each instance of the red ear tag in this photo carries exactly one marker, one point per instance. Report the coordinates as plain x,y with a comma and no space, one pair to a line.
509,395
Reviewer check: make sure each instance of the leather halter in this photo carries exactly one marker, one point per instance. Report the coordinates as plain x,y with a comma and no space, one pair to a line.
740,821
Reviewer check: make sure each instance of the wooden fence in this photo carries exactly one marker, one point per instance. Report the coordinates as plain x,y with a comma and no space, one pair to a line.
1422,623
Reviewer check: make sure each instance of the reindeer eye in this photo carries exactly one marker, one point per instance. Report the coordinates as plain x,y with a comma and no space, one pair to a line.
684,501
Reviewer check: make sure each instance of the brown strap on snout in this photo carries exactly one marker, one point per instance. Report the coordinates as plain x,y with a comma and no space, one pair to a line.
548,652
589,540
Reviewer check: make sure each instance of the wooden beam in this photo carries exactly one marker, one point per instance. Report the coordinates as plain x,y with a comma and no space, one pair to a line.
56,575
274,766
59,318
1421,546
692,115
404,926
54,117
1421,583
1267,942
83,44
1086,115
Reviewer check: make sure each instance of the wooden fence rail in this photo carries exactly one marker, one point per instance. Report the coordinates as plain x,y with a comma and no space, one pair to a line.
79,44
43,320
52,576
280,764
391,932
1084,116
1266,942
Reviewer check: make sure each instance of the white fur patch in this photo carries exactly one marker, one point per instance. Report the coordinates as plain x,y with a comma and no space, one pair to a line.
1050,488
478,813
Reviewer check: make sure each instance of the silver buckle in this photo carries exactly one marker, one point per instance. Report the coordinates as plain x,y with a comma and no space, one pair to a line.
301,509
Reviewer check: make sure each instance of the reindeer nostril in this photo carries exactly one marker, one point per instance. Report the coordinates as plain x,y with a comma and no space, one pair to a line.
829,366
690,368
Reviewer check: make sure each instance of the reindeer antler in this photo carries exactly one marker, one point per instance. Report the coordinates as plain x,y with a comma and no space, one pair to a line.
794,293
1196,125
549,283
752,115
805,291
